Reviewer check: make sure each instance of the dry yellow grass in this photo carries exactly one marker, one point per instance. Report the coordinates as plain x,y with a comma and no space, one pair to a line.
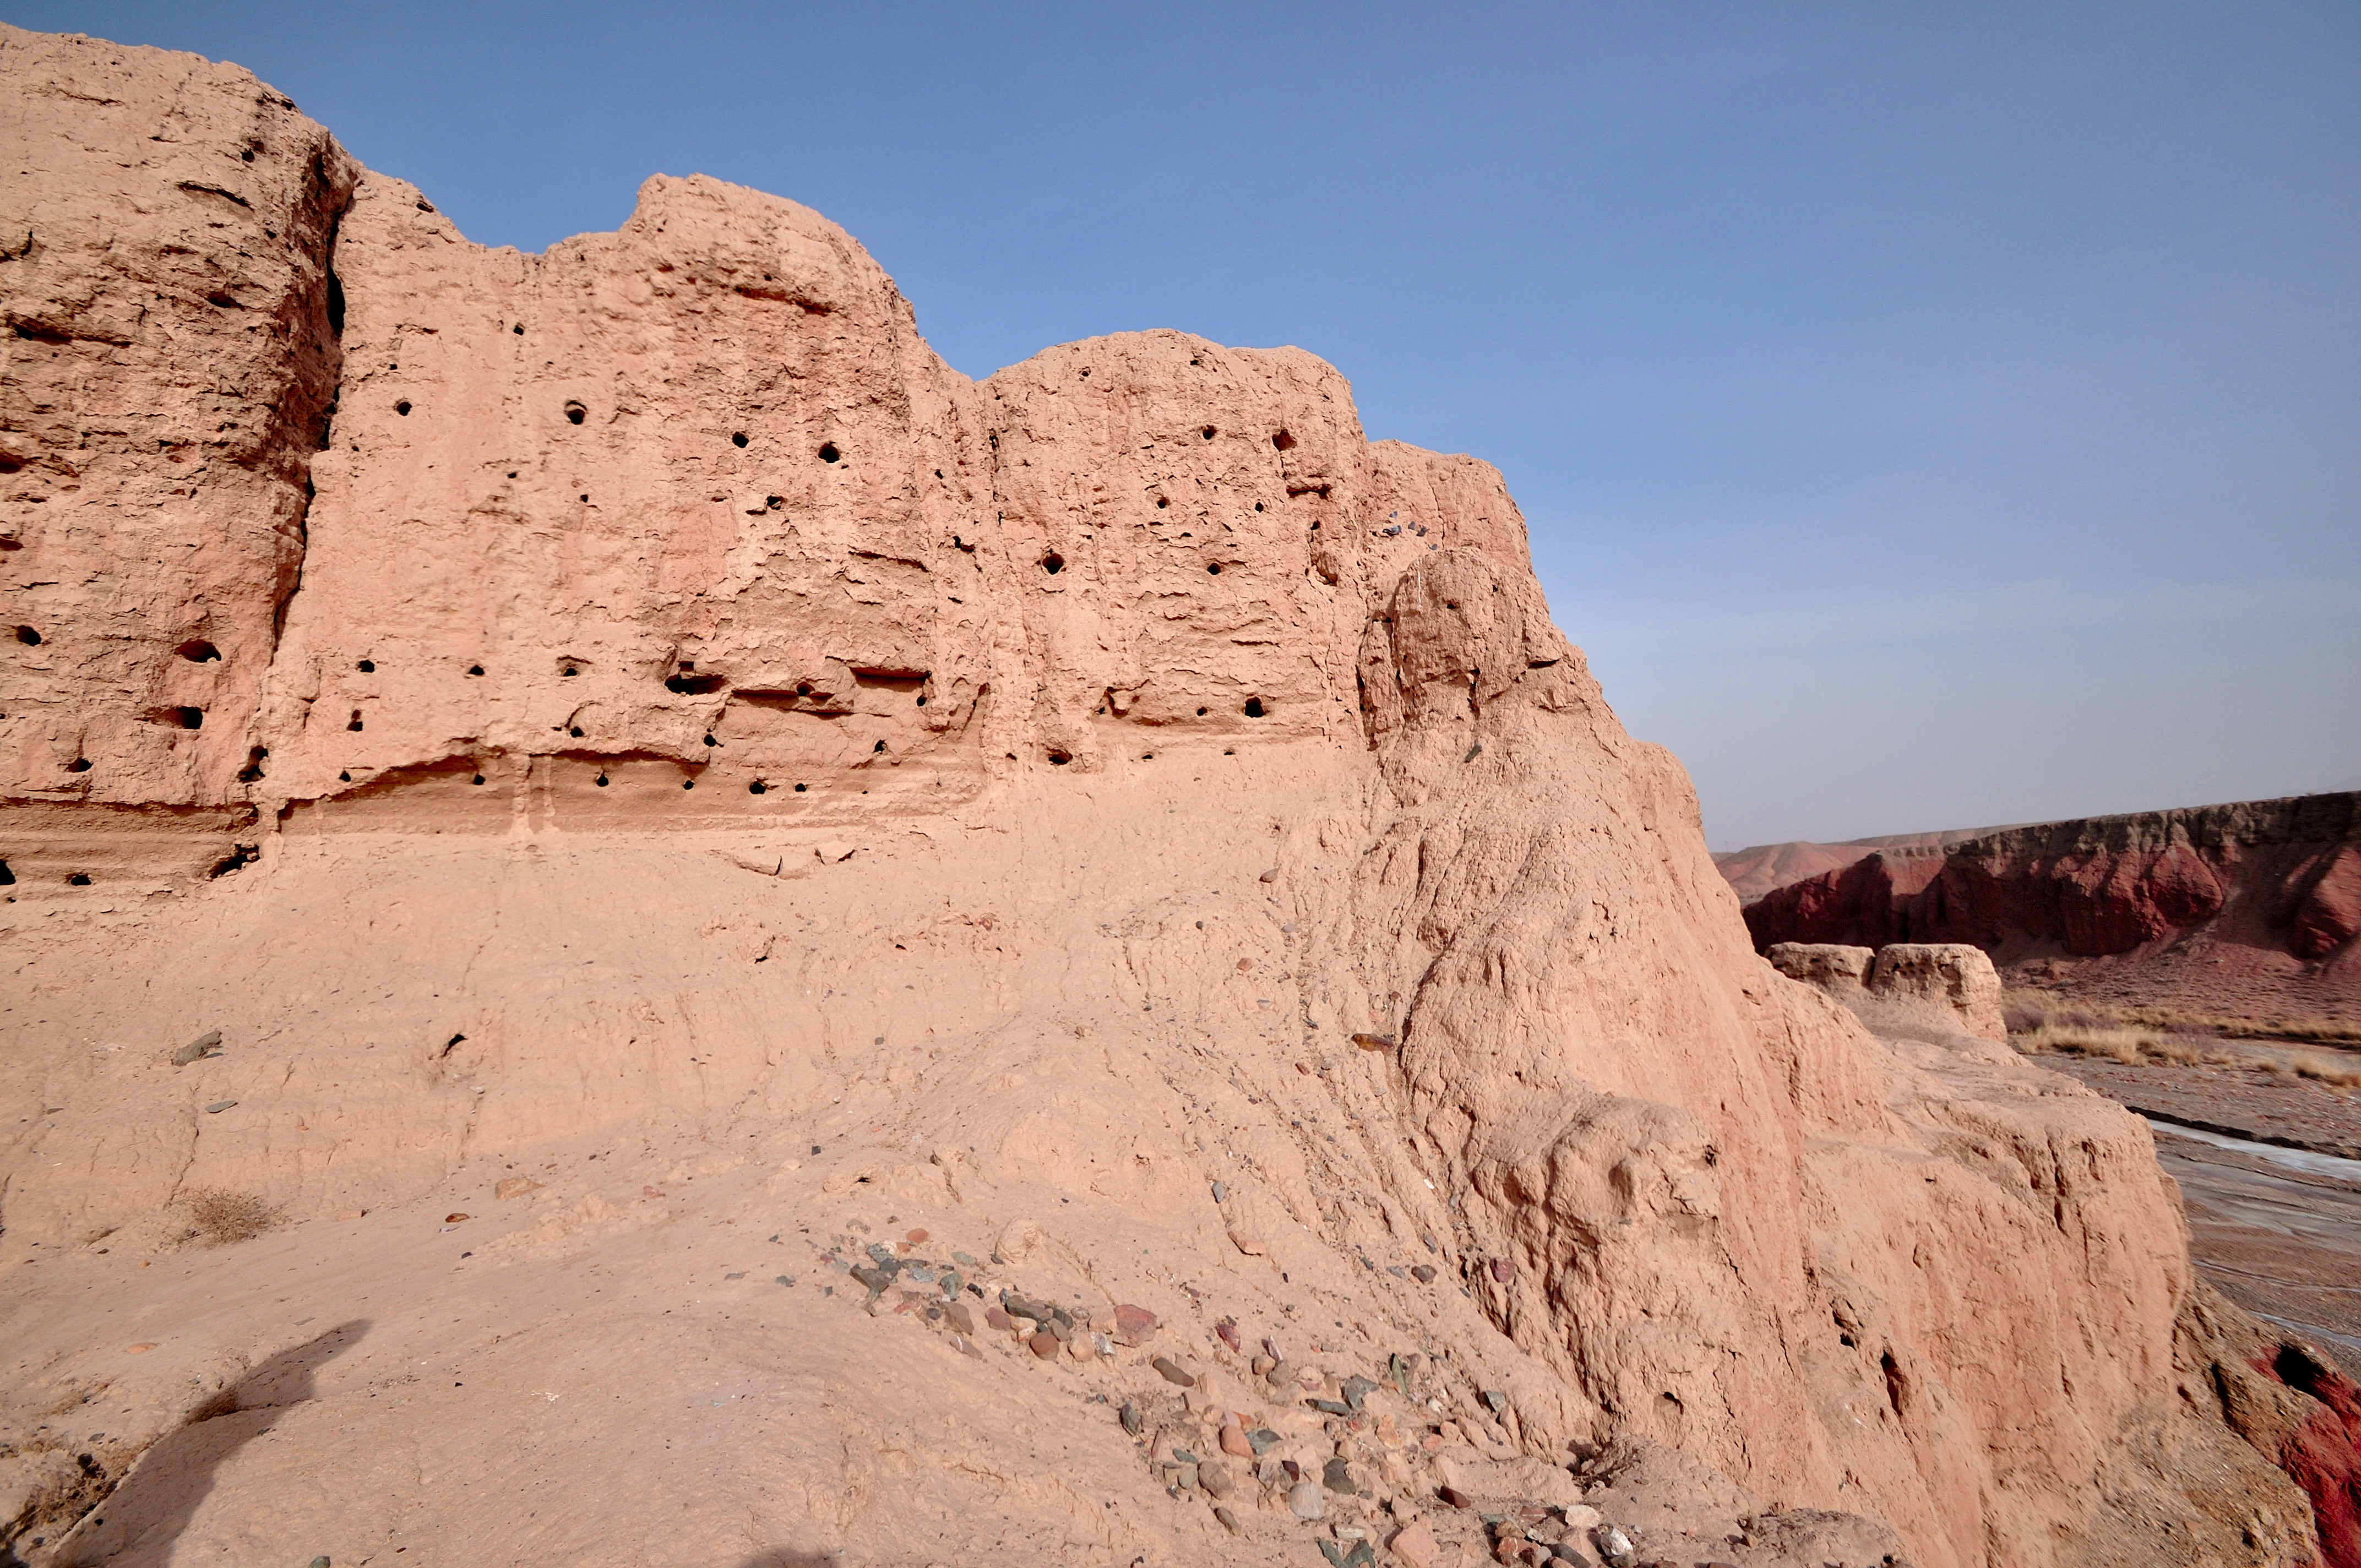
2319,1031
218,1216
2131,1047
2118,1036
2028,1009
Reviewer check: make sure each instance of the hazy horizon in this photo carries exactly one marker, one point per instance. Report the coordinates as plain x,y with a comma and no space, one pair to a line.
1925,420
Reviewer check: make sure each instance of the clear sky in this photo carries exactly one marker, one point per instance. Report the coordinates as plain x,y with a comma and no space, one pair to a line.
1927,416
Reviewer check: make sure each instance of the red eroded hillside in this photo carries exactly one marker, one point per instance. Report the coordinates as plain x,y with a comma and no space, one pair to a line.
1762,868
2250,907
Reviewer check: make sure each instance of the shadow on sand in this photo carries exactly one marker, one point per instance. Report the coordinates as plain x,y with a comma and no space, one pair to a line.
141,1518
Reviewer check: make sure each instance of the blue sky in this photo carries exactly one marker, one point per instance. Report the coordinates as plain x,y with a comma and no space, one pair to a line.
1926,416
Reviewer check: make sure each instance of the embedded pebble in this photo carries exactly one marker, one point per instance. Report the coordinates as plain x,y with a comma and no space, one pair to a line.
1172,1373
206,1045
1306,1500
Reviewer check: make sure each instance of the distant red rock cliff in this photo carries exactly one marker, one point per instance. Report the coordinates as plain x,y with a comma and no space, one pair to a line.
1761,868
2255,904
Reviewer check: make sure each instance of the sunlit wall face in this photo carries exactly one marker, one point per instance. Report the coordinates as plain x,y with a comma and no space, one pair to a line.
1925,418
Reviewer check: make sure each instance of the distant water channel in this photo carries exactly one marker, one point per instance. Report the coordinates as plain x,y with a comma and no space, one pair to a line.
2305,1161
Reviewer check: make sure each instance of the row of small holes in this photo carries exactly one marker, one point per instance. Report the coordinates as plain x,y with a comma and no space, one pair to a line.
757,787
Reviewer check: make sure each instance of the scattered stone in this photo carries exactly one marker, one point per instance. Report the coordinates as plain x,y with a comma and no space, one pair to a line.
1356,1389
455,1219
1229,1521
1423,1272
1307,1500
219,1106
1183,1477
1228,1331
1338,1476
1260,1364
1220,1192
1025,1307
782,1280
1171,1372
964,1261
915,1238
1497,1399
1262,1439
1455,1496
1234,1441
516,1186
1214,1478
320,1561
994,1318
1130,1417
1280,1375
1043,1343
1336,1408
960,1318
1614,1546
1415,1544
206,1045
1397,1365
1133,1324
1504,1269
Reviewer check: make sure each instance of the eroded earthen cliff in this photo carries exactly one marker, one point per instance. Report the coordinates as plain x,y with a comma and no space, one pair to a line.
635,755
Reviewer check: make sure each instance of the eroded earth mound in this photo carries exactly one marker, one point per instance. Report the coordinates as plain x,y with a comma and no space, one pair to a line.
645,927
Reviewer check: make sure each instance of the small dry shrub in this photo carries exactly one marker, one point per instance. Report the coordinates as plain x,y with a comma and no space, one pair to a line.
2125,1046
2320,1070
218,1216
